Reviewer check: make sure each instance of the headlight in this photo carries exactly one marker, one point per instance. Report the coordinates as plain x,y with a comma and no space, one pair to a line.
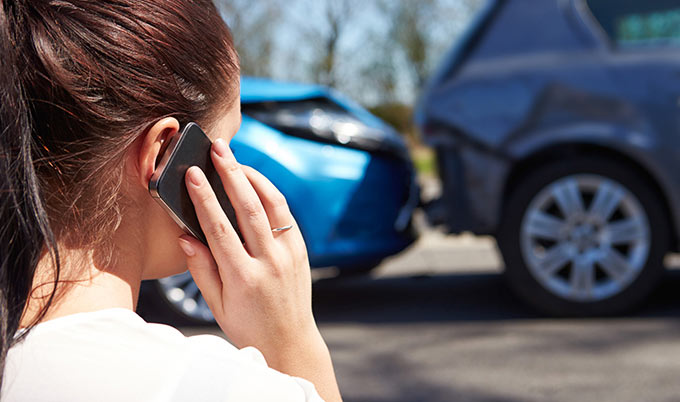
322,120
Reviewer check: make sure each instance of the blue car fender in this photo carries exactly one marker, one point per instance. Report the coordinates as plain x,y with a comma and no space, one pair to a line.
316,179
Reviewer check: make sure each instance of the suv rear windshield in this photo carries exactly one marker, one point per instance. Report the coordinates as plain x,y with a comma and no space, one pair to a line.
635,23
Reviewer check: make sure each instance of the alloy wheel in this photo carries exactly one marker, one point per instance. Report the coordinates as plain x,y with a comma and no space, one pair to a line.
585,237
183,294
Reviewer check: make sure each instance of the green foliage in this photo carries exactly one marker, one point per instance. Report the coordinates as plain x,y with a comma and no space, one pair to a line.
424,160
397,115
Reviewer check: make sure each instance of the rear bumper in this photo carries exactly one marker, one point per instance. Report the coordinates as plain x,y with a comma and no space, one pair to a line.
472,190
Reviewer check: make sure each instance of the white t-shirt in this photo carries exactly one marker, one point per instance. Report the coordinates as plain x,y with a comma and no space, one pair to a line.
114,355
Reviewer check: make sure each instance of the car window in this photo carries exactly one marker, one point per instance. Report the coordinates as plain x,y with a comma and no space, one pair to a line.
634,23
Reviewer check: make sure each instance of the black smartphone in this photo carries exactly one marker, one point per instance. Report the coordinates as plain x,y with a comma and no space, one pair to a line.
190,147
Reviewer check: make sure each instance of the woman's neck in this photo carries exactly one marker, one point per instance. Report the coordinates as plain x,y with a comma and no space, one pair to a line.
84,285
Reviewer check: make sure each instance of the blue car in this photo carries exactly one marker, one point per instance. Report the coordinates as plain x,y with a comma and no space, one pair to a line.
347,176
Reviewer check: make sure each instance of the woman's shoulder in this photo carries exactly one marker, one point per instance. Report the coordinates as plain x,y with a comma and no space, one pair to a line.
103,348
115,333
116,327
119,355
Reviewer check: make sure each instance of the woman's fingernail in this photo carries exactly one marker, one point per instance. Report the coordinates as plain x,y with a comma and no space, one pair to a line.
220,147
187,247
196,176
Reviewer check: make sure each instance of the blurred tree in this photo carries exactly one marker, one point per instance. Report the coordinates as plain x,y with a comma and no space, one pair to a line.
410,23
419,33
376,51
325,38
422,30
377,73
253,26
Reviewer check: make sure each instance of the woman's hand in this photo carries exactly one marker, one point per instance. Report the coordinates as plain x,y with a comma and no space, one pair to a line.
259,291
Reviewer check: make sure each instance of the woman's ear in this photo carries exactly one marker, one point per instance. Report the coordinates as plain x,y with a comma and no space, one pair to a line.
152,145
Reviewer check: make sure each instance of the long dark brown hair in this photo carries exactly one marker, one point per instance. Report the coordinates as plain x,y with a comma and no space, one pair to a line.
80,81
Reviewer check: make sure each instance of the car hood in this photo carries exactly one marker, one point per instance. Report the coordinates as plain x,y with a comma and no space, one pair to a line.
255,90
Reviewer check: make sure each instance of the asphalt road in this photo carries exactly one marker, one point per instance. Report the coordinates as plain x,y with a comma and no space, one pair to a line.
437,324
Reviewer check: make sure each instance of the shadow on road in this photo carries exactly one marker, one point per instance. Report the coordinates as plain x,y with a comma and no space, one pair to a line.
449,298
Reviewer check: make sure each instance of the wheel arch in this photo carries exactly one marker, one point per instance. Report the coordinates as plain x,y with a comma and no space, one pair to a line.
571,149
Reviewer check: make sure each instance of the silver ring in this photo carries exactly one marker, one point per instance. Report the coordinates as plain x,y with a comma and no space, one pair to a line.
283,228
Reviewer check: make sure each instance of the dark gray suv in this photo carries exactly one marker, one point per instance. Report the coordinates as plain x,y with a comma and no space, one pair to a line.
557,129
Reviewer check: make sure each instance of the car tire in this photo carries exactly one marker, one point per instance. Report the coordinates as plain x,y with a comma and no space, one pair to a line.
156,303
364,268
571,265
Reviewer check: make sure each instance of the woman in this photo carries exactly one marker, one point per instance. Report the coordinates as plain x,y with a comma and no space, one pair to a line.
91,91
